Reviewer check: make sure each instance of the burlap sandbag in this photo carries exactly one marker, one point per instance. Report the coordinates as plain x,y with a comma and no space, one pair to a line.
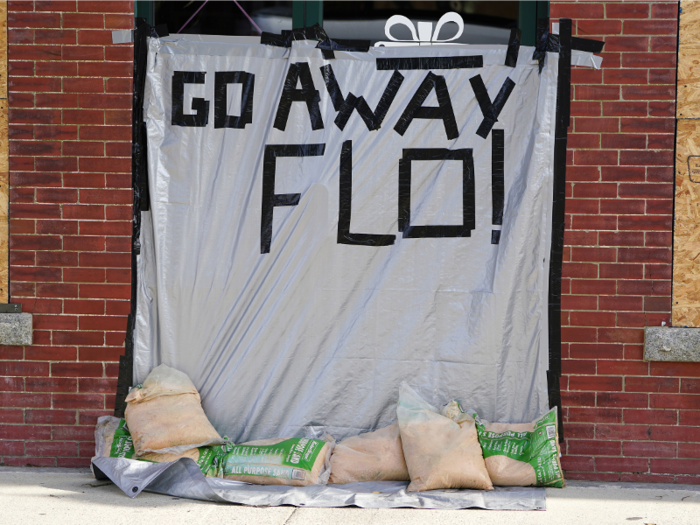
522,454
280,461
110,428
440,453
165,414
113,439
373,456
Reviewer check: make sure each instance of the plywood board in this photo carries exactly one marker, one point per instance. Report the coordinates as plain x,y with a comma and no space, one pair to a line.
689,61
686,233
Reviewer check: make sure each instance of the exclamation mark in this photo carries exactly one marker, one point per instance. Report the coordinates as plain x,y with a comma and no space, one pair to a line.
497,182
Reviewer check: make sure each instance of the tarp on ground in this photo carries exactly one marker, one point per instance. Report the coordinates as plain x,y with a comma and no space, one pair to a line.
324,228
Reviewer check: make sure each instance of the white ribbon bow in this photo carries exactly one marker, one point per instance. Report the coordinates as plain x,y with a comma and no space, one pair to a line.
425,35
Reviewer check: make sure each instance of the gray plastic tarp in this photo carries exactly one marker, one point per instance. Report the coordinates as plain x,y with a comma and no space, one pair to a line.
319,331
184,479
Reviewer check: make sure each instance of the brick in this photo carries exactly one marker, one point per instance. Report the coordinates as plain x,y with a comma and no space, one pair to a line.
659,92
580,270
660,142
578,399
593,287
50,417
652,417
84,180
577,463
596,125
594,222
99,6
102,323
50,384
597,157
670,433
595,383
627,432
593,448
55,5
652,255
8,415
621,302
624,141
91,401
627,43
78,338
581,367
84,307
80,116
73,433
82,53
651,27
23,368
621,271
103,385
691,386
621,238
56,164
25,432
119,21
621,464
40,20
675,466
582,173
673,401
86,244
56,69
598,27
106,291
592,319
84,275
83,85
35,116
662,109
580,238
103,353
586,254
646,125
620,335
84,148
106,260
626,76
11,384
105,196
57,290
595,415
660,207
688,450
53,353
625,109
55,322
83,21
118,307
675,369
125,69
8,400
56,258
11,448
56,132
56,195
627,10
57,227
646,158
621,400
83,212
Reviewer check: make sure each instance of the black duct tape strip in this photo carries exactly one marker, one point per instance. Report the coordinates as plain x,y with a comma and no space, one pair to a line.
513,47
468,194
345,236
587,44
139,177
443,111
541,41
221,117
557,250
299,72
497,181
315,32
428,63
270,199
490,110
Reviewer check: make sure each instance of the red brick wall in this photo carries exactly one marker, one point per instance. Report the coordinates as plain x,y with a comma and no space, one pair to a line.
70,211
70,238
625,419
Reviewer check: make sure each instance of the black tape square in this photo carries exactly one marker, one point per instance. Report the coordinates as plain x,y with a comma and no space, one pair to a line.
468,194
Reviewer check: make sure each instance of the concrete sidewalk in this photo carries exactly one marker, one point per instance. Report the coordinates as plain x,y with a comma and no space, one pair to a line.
73,496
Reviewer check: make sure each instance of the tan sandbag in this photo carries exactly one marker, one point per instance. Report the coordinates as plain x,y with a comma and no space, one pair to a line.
280,461
165,415
440,453
373,456
113,439
522,454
